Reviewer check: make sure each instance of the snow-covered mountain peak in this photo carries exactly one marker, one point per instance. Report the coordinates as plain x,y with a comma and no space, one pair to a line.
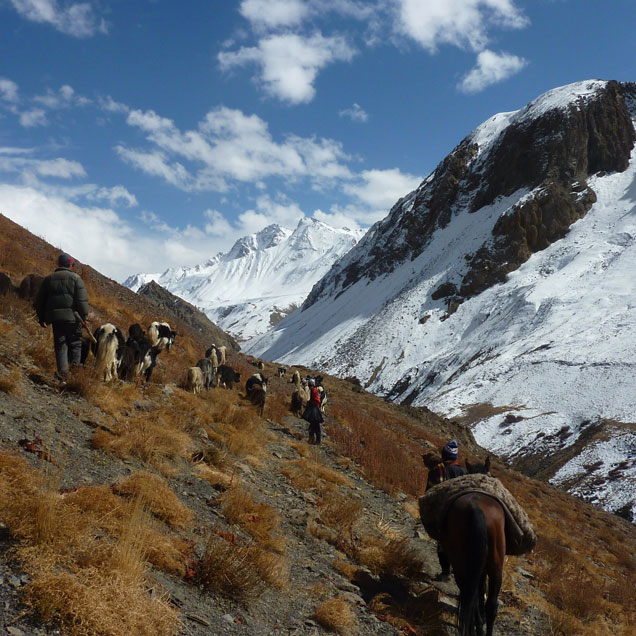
270,236
261,279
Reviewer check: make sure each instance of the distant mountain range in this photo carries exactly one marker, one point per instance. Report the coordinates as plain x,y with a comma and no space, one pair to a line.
262,278
503,291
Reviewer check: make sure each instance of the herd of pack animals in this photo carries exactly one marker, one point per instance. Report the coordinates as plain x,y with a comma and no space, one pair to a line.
475,527
475,522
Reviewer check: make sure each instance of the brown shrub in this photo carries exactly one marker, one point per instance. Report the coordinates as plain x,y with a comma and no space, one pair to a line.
157,496
258,519
92,602
390,554
335,614
149,439
231,570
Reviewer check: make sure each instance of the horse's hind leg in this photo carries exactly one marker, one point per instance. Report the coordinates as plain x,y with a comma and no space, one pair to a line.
494,585
480,614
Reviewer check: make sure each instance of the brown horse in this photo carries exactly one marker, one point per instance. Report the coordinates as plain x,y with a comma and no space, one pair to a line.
475,541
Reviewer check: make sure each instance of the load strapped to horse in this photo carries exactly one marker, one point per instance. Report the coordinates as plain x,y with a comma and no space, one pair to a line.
434,505
477,522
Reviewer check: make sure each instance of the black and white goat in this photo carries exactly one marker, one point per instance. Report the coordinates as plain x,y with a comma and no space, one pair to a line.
108,349
161,335
140,355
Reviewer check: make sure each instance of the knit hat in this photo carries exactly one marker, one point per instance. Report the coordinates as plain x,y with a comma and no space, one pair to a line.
311,382
65,260
450,450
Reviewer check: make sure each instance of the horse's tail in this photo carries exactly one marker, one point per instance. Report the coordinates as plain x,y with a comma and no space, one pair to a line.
477,554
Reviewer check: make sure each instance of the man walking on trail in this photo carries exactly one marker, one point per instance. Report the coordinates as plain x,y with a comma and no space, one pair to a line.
63,303
313,413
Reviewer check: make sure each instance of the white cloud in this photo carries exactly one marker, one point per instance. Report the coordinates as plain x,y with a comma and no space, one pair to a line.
65,97
355,113
33,117
380,189
462,23
491,68
274,13
230,146
217,224
101,238
110,105
289,63
60,168
76,19
283,212
340,218
8,90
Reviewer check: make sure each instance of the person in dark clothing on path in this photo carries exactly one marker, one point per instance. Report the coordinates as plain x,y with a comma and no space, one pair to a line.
448,468
60,300
313,413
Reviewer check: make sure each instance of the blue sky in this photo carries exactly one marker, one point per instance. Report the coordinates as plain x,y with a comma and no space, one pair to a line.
139,135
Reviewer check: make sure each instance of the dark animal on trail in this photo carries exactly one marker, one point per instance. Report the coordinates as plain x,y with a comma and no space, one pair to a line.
256,379
208,371
474,538
5,284
475,541
226,376
29,286
108,350
282,371
140,356
256,390
161,335
479,468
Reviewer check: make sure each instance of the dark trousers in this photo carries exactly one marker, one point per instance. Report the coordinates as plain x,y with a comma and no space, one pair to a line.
314,432
67,340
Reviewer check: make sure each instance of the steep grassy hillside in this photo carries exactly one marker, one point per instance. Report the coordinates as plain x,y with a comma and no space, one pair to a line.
147,510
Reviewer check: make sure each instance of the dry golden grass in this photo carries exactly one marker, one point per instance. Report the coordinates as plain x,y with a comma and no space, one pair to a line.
259,520
81,582
93,602
214,476
148,438
10,382
336,615
389,554
309,472
340,513
157,496
231,570
113,514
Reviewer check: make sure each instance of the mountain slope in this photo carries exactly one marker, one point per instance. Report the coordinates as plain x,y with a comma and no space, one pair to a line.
501,291
263,277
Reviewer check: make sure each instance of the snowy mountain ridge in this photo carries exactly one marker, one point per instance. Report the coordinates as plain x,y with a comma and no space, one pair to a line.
502,291
261,279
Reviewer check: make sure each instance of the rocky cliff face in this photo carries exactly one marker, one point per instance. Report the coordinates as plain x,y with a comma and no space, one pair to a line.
548,148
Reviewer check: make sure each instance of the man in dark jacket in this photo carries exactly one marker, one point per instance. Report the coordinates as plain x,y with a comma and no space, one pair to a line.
448,468
61,299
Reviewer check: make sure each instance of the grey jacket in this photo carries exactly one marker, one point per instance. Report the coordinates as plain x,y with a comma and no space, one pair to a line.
61,294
